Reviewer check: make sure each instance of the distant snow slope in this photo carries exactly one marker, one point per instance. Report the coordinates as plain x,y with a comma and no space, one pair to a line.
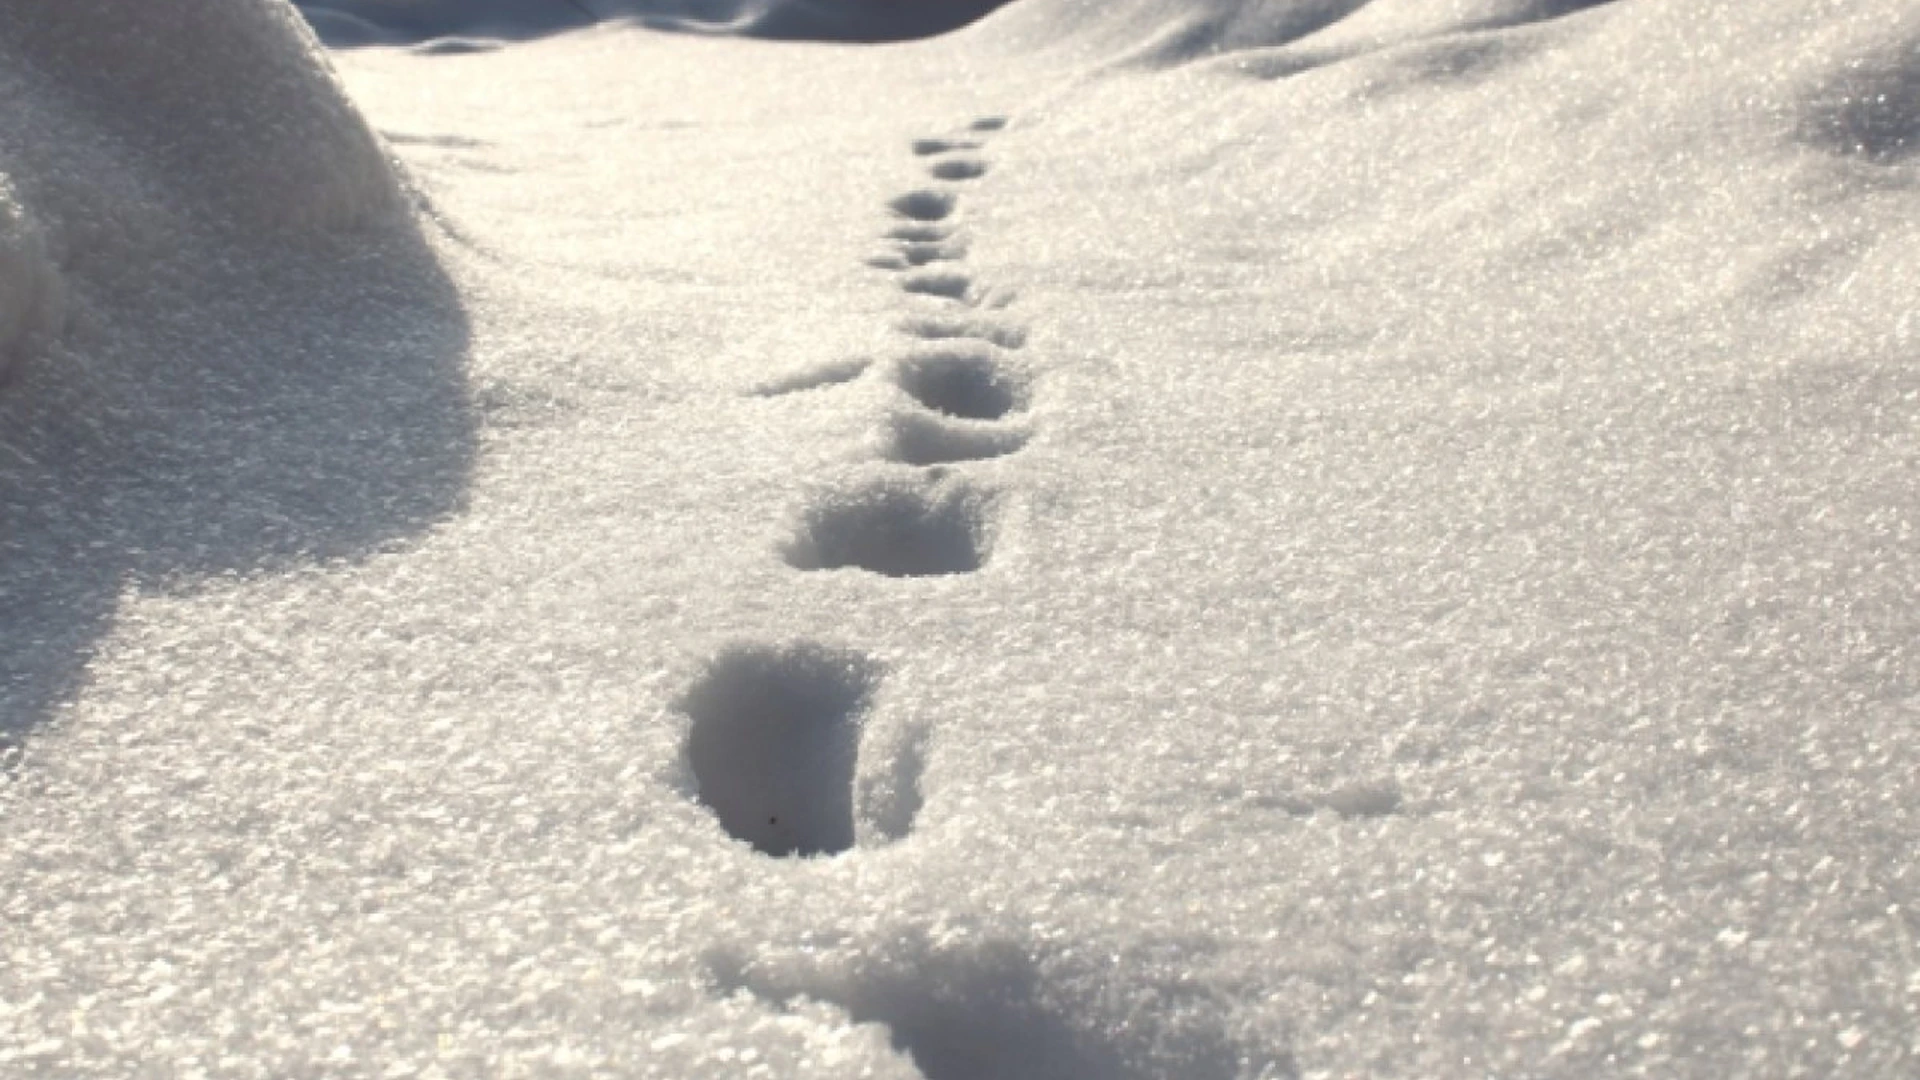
1140,540
468,23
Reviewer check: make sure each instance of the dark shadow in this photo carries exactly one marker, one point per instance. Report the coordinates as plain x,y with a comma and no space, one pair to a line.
349,23
869,21
244,412
1869,111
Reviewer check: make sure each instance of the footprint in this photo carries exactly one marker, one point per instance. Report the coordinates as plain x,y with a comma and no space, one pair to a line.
774,744
924,205
958,169
830,373
946,284
918,438
929,147
914,253
983,1007
922,252
940,328
906,526
920,233
963,379
988,123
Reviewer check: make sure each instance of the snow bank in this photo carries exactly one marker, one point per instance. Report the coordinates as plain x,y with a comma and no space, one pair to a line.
122,121
222,338
125,129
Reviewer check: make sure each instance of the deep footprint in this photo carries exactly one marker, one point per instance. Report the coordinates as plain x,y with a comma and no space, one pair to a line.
773,743
963,379
918,438
958,169
900,527
924,205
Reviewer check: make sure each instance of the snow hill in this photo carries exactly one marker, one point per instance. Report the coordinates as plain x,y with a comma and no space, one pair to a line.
1142,539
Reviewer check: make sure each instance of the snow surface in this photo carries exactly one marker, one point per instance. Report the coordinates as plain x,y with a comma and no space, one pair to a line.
1156,538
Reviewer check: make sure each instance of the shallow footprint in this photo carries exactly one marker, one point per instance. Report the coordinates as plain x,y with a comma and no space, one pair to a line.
913,253
937,328
920,233
946,284
830,373
920,253
918,438
909,526
988,123
773,740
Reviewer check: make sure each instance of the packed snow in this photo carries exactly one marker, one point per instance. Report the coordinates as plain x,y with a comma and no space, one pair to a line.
1189,539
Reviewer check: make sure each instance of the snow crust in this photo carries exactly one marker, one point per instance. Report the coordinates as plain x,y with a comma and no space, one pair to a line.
1165,538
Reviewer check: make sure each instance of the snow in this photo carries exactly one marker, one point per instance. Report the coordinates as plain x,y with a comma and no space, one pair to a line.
1165,538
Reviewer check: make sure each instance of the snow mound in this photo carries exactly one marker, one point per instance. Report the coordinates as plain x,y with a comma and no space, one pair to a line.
224,342
346,23
255,130
113,150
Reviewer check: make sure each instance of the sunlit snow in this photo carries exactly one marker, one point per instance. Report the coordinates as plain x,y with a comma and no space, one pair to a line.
1057,540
